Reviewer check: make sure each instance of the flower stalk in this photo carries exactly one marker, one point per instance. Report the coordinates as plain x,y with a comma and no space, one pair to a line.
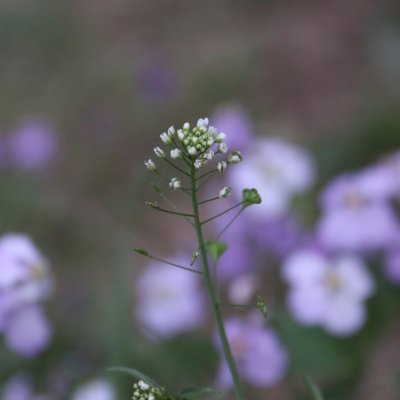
212,291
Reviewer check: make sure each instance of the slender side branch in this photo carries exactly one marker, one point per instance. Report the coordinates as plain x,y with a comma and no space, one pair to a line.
206,180
174,212
176,167
222,213
206,174
229,224
170,263
208,200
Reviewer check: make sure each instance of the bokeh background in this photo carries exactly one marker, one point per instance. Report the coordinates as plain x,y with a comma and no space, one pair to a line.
86,88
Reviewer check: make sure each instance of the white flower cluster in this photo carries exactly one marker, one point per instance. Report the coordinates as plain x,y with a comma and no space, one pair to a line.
143,391
197,146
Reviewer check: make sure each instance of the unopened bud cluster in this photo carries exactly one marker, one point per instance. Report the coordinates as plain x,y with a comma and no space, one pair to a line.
197,146
143,391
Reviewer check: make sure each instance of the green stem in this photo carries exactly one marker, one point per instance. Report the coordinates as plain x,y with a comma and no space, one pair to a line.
212,292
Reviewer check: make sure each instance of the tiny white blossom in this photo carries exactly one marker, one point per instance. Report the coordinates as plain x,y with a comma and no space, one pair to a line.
220,137
171,131
209,156
221,166
150,165
181,134
186,125
192,150
210,141
175,183
235,157
212,131
151,397
202,122
223,147
176,153
198,163
159,152
165,138
224,192
143,385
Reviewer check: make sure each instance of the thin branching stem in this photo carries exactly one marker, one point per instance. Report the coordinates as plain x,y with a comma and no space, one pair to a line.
222,213
206,180
228,224
212,291
172,205
208,200
175,265
174,212
176,167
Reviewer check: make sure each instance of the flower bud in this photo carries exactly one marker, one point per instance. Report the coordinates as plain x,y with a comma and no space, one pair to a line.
223,147
150,165
165,138
235,157
221,166
224,192
159,152
176,153
175,183
192,150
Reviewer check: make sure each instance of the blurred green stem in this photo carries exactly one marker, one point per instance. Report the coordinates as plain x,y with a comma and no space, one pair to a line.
211,289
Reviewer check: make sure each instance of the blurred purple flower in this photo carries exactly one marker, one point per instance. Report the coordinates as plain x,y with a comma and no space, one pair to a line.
24,281
261,359
169,300
392,265
27,319
278,170
356,215
3,151
234,120
279,236
97,389
33,144
20,387
328,292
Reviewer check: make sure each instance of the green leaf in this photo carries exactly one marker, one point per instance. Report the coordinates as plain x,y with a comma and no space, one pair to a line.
216,249
135,373
314,390
142,252
251,196
194,392
262,306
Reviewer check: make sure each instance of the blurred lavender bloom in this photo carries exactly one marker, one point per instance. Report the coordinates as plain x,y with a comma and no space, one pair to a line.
24,281
20,387
278,170
261,359
234,120
3,152
97,389
392,265
356,215
24,274
328,292
170,300
279,236
27,319
32,145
